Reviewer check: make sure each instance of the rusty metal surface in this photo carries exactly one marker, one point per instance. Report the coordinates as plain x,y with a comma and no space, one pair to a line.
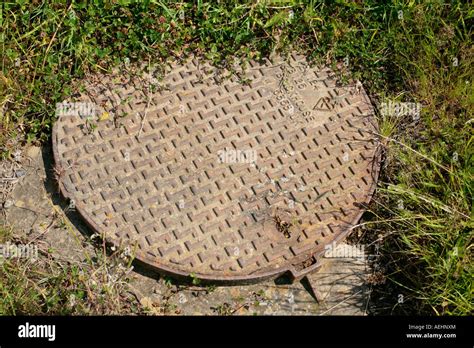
232,180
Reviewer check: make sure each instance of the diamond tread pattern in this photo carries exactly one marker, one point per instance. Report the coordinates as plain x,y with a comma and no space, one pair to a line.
218,177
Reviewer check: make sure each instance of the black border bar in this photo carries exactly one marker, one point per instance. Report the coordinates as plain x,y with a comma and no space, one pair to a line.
222,331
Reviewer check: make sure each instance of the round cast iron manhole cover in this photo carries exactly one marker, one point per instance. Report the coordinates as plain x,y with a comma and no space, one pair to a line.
225,179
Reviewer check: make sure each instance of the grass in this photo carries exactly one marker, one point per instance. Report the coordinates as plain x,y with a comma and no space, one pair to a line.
405,51
48,285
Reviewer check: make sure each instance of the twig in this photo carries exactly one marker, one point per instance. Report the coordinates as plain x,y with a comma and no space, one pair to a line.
146,108
330,309
408,148
146,111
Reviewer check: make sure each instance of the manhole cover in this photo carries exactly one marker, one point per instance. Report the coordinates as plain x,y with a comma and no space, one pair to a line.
232,180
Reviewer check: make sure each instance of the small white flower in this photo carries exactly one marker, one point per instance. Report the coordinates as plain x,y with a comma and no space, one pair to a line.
72,300
8,203
17,156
